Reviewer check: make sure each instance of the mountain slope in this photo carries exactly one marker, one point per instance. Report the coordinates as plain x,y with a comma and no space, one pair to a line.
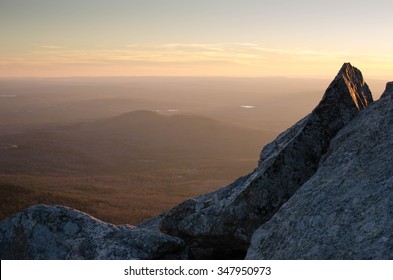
220,224
153,160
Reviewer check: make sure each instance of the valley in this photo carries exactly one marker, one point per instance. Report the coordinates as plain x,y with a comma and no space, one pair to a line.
127,149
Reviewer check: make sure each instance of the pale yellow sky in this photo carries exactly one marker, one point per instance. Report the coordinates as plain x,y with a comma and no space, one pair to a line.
194,38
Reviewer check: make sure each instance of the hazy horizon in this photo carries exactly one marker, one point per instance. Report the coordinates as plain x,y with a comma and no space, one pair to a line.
52,38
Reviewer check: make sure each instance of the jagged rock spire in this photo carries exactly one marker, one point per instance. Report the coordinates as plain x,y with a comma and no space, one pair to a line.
355,85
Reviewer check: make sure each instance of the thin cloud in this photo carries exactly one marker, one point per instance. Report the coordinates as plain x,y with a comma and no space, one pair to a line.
55,47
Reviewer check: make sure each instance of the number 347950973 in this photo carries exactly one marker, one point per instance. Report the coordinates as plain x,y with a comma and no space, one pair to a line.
238,270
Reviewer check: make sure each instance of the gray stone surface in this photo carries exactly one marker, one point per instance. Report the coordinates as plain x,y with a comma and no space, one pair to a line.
388,90
151,224
220,224
345,211
58,232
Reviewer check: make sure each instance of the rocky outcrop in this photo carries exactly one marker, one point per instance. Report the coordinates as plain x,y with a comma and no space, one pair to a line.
345,210
220,224
389,90
58,232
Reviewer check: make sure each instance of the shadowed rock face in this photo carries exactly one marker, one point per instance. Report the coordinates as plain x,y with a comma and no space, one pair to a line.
345,210
220,224
57,232
389,90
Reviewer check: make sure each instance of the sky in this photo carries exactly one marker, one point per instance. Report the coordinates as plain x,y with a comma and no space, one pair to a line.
302,38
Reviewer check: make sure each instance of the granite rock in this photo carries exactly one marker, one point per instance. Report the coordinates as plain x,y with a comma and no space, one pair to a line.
58,232
345,210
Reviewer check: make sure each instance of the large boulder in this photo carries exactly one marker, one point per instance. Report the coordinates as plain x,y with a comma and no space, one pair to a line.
345,210
58,232
220,224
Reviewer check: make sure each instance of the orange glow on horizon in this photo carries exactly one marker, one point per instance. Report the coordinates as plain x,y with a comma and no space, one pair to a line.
187,60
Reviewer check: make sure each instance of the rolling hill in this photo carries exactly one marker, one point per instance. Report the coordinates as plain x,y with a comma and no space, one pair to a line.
122,143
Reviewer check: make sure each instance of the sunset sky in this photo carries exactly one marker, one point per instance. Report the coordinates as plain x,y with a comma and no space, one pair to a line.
303,38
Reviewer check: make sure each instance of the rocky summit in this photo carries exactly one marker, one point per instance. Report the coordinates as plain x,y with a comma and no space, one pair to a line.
58,232
220,224
322,190
345,210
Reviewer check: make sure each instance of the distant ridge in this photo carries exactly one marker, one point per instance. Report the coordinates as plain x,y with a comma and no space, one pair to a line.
113,143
